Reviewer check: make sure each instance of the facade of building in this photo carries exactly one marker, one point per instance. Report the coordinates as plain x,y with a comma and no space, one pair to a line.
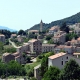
35,46
6,57
60,38
13,35
37,72
48,47
19,38
33,31
2,38
53,29
64,48
60,59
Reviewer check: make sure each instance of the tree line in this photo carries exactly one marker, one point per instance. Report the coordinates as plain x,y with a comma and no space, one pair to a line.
71,71
12,68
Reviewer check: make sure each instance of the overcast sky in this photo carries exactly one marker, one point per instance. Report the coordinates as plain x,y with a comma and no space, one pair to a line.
23,14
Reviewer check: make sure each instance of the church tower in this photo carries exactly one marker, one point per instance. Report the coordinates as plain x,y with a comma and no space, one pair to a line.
41,26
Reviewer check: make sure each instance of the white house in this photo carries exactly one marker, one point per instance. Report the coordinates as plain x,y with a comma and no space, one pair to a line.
60,59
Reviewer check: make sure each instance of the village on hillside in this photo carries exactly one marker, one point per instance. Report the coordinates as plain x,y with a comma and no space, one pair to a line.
37,51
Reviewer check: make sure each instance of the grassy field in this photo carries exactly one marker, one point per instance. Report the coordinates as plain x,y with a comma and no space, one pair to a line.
8,46
31,66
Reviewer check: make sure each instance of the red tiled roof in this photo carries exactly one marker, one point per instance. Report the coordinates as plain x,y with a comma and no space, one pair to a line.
57,55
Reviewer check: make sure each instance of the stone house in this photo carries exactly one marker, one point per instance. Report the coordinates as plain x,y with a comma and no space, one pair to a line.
6,57
53,29
20,38
65,48
19,58
48,47
37,72
77,29
2,38
60,59
35,46
13,35
60,38
33,31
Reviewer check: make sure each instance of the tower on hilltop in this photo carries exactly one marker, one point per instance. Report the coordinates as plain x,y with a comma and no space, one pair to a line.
41,26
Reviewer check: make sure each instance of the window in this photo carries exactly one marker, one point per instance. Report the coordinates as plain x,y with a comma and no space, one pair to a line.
61,62
67,57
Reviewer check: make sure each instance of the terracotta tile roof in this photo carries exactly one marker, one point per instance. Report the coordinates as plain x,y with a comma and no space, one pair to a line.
2,35
13,35
61,46
16,54
73,41
33,30
32,40
6,54
78,39
76,53
54,27
67,46
57,55
48,44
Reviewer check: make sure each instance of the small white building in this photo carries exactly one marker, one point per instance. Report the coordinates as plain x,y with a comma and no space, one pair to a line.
60,59
53,29
37,72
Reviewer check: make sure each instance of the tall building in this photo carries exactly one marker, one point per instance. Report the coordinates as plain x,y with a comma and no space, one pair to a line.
41,26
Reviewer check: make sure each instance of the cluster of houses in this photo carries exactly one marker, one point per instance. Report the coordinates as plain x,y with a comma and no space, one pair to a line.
63,52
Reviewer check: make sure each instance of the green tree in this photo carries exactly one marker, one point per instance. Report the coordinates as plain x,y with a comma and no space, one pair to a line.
52,74
71,71
21,32
1,47
64,27
70,36
44,66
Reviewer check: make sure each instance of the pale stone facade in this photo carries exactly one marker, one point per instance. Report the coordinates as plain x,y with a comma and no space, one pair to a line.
33,31
13,35
37,72
60,38
6,57
60,59
67,49
48,47
35,46
2,38
53,29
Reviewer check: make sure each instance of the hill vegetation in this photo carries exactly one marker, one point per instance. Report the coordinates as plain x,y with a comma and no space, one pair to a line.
69,20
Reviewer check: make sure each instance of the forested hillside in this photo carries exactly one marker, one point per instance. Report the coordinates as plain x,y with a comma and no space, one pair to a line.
69,20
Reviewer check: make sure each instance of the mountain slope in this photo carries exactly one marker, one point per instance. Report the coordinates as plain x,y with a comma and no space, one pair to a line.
3,27
69,20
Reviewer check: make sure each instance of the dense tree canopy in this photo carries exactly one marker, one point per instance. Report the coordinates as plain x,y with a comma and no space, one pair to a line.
21,32
11,68
52,74
70,36
6,33
70,71
64,27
